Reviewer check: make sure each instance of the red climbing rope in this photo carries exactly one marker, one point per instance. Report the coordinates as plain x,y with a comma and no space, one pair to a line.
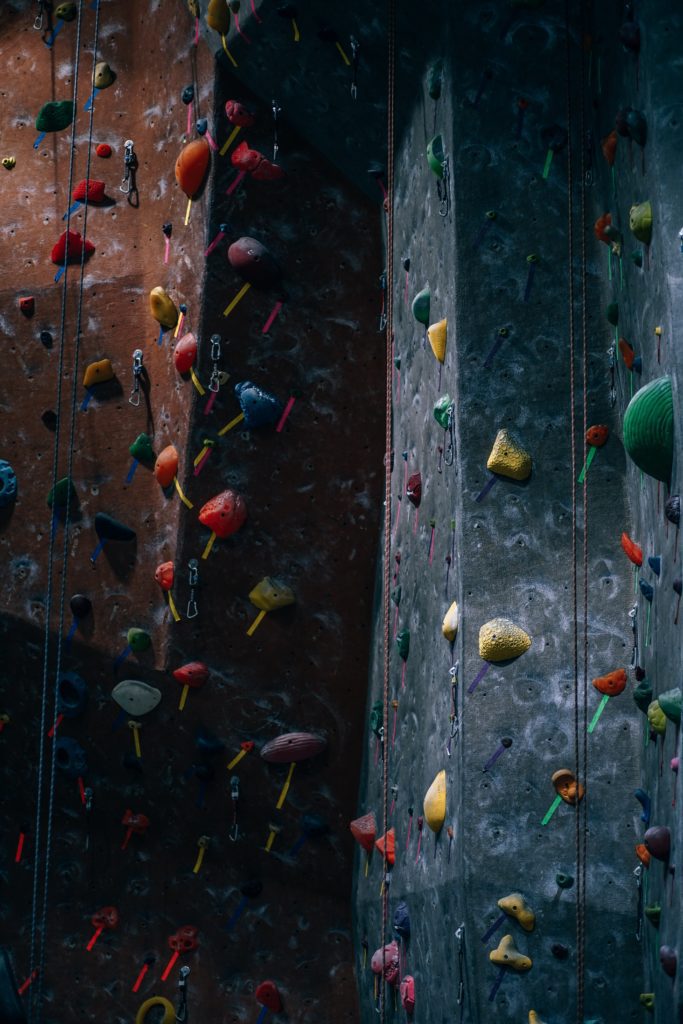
389,201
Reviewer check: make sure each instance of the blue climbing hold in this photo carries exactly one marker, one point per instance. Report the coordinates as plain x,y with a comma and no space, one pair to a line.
72,695
260,408
8,485
70,757
655,563
402,921
646,590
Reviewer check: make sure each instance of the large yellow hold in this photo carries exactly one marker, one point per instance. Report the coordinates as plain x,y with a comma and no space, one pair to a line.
98,373
163,308
437,335
269,594
451,621
507,955
435,803
501,639
656,718
516,906
508,458
218,16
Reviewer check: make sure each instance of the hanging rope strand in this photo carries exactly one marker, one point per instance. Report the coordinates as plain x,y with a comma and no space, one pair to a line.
35,992
391,60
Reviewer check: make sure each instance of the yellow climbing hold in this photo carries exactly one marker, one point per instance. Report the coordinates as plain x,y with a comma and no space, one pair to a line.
218,16
508,458
98,373
501,639
516,906
437,335
534,1018
656,718
451,621
269,594
163,308
103,76
169,1016
435,803
506,954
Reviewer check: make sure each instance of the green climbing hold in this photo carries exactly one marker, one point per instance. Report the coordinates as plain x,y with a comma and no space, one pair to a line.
141,448
138,640
612,313
377,718
670,703
66,12
640,222
55,116
649,429
642,695
436,155
62,490
403,643
443,411
421,306
653,912
637,257
434,79
564,881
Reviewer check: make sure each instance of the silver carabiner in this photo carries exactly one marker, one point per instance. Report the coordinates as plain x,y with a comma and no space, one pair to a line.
137,370
38,23
215,379
128,161
192,609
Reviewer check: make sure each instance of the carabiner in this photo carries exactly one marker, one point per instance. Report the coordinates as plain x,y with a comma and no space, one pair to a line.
38,23
137,371
129,161
192,609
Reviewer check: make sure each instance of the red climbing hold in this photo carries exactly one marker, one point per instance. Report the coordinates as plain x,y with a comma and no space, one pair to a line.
76,247
390,839
166,466
165,575
364,831
106,917
267,995
266,171
612,684
185,939
408,993
254,263
414,489
185,353
224,514
191,166
245,158
627,353
387,961
632,550
292,746
609,147
599,228
237,113
194,674
89,189
137,823
103,150
597,435
27,305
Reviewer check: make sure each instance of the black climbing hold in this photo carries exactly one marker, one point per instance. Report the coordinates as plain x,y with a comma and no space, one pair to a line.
406,264
327,34
108,528
49,419
70,757
72,695
375,170
564,881
554,137
81,606
167,228
62,492
187,95
506,742
559,951
672,509
46,339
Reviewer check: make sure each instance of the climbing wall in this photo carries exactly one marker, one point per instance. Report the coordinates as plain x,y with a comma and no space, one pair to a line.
485,890
166,814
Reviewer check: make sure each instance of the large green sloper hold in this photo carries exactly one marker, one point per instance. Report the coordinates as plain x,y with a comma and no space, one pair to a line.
55,116
649,429
421,306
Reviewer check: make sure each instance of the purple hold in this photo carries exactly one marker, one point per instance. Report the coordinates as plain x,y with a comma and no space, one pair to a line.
668,958
658,841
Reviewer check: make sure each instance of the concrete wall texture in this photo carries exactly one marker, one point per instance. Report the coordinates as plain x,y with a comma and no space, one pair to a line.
307,914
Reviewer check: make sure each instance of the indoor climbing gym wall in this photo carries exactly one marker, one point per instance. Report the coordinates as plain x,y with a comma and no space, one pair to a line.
339,512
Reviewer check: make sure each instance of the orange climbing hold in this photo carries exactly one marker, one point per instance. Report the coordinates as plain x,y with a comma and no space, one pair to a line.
599,228
185,353
597,435
643,854
632,550
191,166
612,684
165,575
218,16
388,840
166,466
364,830
609,147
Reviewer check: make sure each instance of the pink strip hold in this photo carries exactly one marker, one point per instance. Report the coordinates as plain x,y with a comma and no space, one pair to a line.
393,731
167,249
229,191
431,547
403,675
196,31
283,418
200,465
253,11
209,405
269,322
210,139
239,30
189,119
217,241
398,516
417,516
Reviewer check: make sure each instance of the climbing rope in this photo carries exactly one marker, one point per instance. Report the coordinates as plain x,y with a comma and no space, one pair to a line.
36,1000
391,62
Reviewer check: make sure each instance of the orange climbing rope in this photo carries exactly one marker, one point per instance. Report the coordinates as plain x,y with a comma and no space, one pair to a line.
391,67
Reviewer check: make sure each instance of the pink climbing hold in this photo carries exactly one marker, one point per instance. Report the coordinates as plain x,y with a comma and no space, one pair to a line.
238,114
267,995
408,993
293,746
260,168
387,961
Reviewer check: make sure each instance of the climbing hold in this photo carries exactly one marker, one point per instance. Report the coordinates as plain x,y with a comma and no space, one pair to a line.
648,429
508,458
103,150
403,643
414,489
501,640
421,306
293,746
564,881
267,995
77,246
192,164
506,954
636,126
169,1015
668,958
644,801
166,466
8,484
70,757
559,951
640,222
108,528
165,575
185,353
647,1000
218,16
254,263
434,804
451,621
136,697
436,156
9,162
567,787
388,842
604,231
407,991
672,509
260,408
193,674
66,12
612,313
163,308
516,906
612,684
81,606
657,841
270,594
670,703
609,147
72,695
656,718
402,921
98,373
103,76
62,492
364,830
443,411
138,640
238,114
653,912
224,514
27,305
437,334
255,163
386,961
633,551
55,116
89,190
141,448
597,435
